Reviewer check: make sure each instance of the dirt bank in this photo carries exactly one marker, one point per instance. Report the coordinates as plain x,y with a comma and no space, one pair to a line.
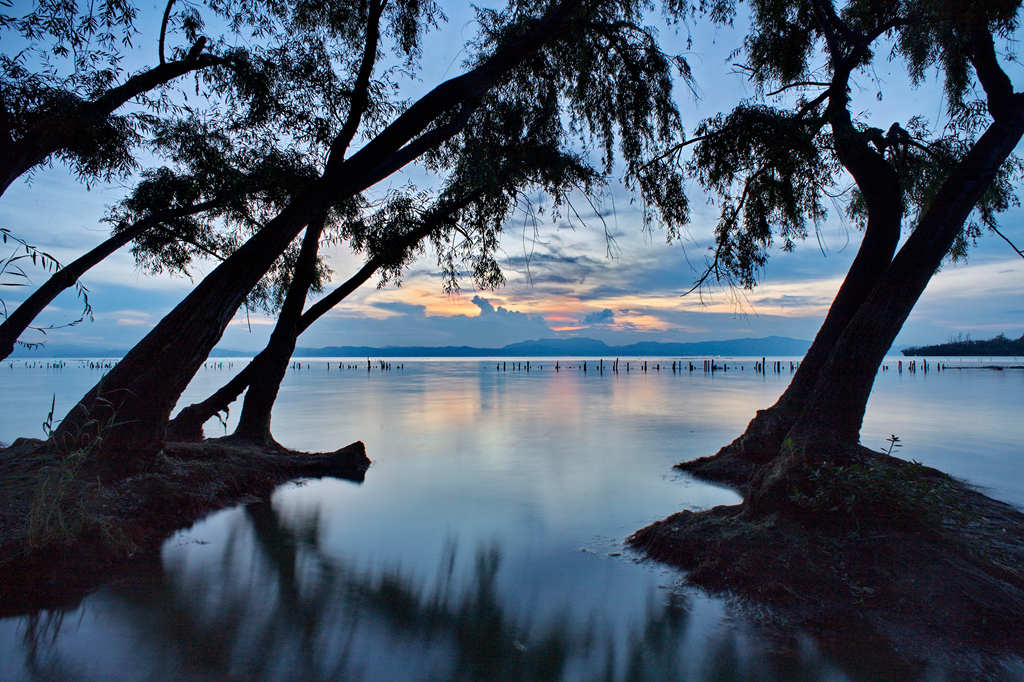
882,550
64,530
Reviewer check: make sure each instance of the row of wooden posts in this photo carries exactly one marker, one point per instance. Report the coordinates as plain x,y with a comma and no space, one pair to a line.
585,366
912,366
677,366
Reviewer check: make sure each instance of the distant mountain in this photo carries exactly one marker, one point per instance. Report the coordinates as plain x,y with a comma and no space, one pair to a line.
771,345
575,347
1000,345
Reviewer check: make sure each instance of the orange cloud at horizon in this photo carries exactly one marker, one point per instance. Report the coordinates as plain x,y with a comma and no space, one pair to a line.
564,311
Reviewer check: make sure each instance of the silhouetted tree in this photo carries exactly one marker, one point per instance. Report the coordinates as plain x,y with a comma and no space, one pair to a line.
561,72
773,166
62,88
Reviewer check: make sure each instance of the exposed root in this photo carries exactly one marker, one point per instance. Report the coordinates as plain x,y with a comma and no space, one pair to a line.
736,463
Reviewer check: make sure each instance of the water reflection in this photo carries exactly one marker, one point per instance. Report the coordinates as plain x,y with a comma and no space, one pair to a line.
519,472
276,605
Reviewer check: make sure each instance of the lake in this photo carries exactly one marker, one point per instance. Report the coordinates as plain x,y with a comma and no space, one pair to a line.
487,539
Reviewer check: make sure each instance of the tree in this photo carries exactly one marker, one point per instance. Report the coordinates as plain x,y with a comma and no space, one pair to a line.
173,217
570,70
230,164
773,166
59,90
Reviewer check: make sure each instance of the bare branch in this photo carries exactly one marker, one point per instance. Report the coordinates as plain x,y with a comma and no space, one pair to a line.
1007,240
798,84
163,29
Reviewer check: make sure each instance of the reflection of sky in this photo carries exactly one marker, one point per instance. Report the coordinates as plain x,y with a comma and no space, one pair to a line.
546,472
560,279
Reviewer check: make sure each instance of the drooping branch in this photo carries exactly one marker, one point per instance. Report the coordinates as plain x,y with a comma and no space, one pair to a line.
1007,240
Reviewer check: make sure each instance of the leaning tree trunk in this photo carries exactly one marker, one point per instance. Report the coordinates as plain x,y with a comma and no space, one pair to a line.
831,421
127,410
883,196
188,424
766,431
254,421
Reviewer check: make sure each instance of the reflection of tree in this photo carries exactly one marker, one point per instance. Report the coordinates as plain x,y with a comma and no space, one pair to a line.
277,606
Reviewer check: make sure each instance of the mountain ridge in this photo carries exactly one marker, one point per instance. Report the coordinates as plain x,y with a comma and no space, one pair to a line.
575,346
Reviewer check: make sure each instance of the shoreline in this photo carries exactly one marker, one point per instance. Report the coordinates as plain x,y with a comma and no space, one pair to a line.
947,587
59,544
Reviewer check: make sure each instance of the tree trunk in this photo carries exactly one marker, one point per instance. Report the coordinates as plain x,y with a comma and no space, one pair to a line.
880,185
254,421
830,423
764,435
128,409
188,424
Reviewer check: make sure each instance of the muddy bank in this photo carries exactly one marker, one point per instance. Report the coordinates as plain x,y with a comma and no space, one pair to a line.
936,575
64,530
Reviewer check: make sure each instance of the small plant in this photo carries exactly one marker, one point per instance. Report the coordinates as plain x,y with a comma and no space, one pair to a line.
872,493
894,442
59,509
48,422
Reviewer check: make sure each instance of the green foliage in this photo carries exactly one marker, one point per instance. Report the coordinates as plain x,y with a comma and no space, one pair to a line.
775,159
873,494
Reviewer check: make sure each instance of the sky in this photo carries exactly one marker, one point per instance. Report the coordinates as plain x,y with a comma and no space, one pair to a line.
563,279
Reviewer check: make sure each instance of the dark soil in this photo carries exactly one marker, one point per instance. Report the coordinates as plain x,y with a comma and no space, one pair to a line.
919,566
64,530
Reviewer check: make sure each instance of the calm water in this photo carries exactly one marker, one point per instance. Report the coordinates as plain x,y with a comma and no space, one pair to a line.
486,540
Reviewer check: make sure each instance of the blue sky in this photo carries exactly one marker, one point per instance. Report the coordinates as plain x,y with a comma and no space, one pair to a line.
561,279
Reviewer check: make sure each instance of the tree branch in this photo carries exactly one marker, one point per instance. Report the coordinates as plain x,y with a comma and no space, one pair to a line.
163,30
995,82
469,85
798,84
1007,240
360,93
153,78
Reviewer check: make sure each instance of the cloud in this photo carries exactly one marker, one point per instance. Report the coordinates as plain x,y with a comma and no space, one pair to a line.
441,323
790,300
605,316
484,305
